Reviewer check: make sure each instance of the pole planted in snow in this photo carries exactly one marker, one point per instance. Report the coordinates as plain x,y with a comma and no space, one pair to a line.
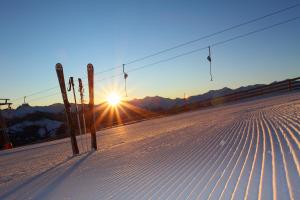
90,71
71,82
82,110
71,131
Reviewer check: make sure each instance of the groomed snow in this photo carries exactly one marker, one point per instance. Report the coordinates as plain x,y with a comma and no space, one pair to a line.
246,150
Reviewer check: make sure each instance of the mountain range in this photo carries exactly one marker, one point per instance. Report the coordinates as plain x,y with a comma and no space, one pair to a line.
148,103
30,124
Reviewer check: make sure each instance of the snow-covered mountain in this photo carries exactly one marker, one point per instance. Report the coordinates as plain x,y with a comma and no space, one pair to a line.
154,103
147,103
26,109
46,126
210,94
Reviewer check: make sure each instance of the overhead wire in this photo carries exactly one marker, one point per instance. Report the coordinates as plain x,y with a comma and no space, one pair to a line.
36,93
196,50
43,97
179,45
216,43
215,33
204,47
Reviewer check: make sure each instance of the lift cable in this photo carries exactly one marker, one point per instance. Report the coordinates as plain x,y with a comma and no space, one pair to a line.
195,50
205,47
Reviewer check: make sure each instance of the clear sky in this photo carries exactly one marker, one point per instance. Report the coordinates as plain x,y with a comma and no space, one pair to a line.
35,35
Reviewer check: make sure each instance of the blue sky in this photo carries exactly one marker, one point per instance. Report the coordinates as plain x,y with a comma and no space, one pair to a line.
35,35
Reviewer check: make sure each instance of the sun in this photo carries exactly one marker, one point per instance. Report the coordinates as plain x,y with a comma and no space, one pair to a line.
113,99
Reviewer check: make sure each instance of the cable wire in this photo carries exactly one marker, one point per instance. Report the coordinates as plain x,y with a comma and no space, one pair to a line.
43,97
204,48
193,51
203,37
215,33
180,45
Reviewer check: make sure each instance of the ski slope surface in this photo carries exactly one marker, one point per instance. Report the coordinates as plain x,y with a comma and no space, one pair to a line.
245,150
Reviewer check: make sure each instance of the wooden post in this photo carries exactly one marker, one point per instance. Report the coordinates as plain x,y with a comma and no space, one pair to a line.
61,80
90,71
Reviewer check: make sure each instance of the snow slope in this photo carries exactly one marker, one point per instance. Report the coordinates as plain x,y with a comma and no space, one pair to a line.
246,150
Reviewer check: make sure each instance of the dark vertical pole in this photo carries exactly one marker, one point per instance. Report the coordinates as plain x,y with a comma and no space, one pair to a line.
90,71
82,110
61,80
209,59
71,82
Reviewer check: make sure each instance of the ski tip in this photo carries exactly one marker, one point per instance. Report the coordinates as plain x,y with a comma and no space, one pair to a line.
58,66
90,66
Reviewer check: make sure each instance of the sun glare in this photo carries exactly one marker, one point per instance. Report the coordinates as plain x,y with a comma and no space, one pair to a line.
113,99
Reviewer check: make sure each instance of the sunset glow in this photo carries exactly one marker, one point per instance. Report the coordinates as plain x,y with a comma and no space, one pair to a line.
113,99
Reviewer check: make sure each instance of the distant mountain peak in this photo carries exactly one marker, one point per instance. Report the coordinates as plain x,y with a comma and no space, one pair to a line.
148,102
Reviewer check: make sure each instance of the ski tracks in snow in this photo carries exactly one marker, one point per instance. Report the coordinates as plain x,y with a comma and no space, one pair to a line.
248,150
255,157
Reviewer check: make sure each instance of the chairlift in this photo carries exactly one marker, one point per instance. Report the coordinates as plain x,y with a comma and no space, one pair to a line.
125,78
209,59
